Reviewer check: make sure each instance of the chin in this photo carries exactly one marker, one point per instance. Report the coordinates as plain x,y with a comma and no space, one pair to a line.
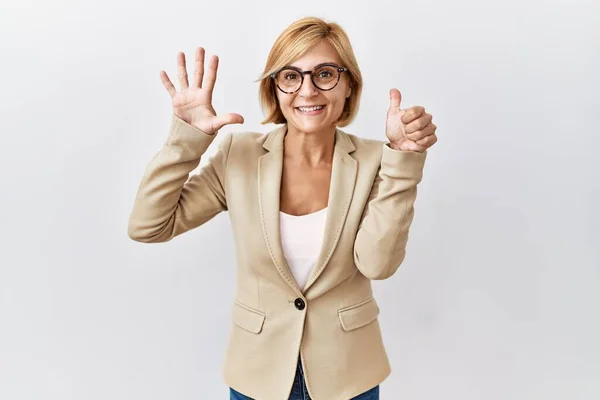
311,127
308,125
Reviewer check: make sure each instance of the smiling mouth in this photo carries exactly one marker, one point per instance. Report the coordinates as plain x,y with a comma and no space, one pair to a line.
310,109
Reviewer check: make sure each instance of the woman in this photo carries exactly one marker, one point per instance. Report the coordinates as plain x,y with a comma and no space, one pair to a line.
317,213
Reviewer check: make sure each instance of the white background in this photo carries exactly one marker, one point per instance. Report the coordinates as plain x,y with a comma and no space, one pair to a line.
499,295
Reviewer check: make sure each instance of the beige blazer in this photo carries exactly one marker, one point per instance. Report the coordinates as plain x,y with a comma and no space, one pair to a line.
332,323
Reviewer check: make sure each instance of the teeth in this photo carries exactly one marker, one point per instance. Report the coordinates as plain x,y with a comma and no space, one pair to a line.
307,109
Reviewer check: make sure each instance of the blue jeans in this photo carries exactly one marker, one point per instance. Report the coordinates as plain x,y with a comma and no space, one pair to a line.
299,391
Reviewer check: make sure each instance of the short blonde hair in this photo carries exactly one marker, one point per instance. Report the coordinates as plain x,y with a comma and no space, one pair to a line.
291,44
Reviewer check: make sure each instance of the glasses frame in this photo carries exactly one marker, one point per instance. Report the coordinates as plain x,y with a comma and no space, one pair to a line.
312,77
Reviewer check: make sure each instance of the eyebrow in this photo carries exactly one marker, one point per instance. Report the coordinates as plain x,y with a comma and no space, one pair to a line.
316,66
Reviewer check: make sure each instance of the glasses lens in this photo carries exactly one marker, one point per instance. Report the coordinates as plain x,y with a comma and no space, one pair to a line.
289,80
325,77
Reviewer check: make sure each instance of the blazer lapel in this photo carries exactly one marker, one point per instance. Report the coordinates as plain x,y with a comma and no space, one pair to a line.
341,188
343,178
270,168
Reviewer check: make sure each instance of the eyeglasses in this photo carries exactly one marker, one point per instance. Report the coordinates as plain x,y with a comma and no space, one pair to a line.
324,76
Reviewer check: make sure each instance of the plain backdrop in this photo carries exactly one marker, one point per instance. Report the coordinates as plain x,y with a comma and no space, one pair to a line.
499,295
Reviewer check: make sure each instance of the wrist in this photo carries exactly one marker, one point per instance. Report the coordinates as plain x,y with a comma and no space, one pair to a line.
394,146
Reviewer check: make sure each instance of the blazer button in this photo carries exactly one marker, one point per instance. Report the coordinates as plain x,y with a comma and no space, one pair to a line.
299,303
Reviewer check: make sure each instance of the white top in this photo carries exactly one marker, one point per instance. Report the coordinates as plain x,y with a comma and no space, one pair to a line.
301,240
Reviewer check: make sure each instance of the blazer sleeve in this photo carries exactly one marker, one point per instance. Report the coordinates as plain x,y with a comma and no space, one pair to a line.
380,244
169,202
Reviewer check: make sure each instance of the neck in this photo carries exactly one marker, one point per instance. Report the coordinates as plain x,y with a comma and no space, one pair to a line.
311,149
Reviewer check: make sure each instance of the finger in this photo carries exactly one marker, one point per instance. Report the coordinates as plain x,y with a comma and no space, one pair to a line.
427,141
419,123
395,99
412,113
182,71
167,83
198,68
423,133
211,75
226,119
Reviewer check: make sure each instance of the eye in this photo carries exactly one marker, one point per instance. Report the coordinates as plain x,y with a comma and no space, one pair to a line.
290,76
325,74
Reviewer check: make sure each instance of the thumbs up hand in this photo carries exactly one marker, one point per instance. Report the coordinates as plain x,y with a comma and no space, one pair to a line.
409,129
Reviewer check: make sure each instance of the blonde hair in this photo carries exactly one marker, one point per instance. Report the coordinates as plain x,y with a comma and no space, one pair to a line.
291,44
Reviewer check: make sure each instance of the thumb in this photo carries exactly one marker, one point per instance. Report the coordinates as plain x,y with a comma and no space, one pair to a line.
395,99
226,119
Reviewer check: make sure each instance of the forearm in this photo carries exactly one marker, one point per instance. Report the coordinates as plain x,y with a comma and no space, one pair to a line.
380,244
162,207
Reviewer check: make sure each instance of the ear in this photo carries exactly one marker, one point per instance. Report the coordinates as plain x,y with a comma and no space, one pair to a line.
348,91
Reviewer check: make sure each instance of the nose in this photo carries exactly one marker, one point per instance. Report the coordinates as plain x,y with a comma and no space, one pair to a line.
308,89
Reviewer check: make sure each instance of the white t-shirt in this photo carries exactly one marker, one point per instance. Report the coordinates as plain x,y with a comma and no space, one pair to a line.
301,240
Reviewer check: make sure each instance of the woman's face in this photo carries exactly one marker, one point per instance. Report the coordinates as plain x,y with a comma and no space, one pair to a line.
308,95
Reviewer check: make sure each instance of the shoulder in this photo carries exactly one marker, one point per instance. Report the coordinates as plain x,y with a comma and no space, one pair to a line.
365,147
249,137
246,140
364,142
243,148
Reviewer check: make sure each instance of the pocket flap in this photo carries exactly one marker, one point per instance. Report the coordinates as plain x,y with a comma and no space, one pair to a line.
248,318
359,314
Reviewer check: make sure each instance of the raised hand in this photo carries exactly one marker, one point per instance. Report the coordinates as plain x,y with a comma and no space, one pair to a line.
193,104
410,129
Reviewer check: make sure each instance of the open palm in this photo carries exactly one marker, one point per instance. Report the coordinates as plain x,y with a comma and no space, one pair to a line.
193,103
